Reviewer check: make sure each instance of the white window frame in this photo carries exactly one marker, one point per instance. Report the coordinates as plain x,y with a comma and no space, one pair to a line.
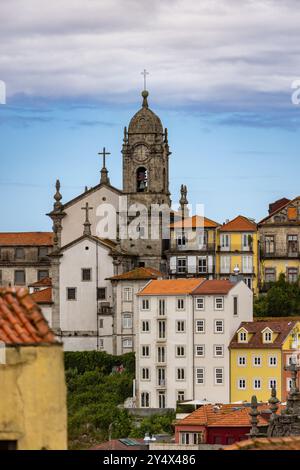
127,320
129,340
215,326
182,348
202,320
149,398
203,350
215,349
203,303
239,385
149,350
241,338
127,294
270,360
257,388
202,382
145,304
149,374
179,301
254,357
216,299
238,361
144,322
272,380
180,322
216,369
182,369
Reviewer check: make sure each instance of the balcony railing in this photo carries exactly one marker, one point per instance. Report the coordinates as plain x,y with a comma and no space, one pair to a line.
235,248
192,246
279,251
104,308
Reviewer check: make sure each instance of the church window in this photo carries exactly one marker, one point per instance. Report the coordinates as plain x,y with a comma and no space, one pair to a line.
141,179
42,274
101,293
71,293
20,277
86,274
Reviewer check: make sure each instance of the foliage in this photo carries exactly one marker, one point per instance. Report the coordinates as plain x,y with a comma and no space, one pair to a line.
90,360
282,299
155,424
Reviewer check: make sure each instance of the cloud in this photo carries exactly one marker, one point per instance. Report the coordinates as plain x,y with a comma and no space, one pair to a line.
213,54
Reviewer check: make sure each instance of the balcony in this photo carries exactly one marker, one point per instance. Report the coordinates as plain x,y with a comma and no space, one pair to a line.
235,249
192,246
161,383
104,308
279,251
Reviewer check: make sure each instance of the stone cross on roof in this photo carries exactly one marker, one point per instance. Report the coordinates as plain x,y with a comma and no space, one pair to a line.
87,224
104,172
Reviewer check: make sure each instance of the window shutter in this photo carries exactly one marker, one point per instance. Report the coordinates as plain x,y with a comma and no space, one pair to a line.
173,264
192,264
210,262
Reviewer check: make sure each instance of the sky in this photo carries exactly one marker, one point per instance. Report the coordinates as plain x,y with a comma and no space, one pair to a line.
221,77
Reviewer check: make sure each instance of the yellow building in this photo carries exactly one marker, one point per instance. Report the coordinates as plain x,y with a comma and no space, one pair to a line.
237,251
279,242
32,393
258,353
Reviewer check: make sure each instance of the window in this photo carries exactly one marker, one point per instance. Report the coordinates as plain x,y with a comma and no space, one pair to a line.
180,304
42,274
181,239
161,399
219,303
101,293
127,343
141,179
292,275
127,320
202,239
101,343
267,337
218,350
242,360
199,303
225,241
246,241
219,375
272,383
257,384
200,350
161,329
181,265
200,326
248,282
71,293
272,361
247,264
20,278
43,252
235,306
180,351
19,253
145,351
270,275
145,326
180,395
241,384
242,337
161,377
257,361
191,438
269,244
145,304
288,384
200,375
219,326
180,326
86,274
202,264
127,294
145,373
101,323
161,354
145,400
225,264
180,374
162,307
292,245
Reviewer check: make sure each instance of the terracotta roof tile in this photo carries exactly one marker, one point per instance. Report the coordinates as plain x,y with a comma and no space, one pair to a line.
138,274
120,444
21,320
171,286
267,443
194,222
214,286
46,281
282,327
239,224
43,296
26,239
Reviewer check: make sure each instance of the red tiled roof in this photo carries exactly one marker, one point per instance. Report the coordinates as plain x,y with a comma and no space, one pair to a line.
46,281
43,296
226,415
267,443
138,274
195,221
282,327
26,239
239,224
21,320
214,286
119,444
171,286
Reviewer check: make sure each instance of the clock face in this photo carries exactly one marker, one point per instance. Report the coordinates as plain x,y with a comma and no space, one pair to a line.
141,153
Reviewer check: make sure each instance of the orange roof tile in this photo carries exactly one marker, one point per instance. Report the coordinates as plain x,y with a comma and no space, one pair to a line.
282,327
46,281
267,443
21,320
214,286
43,296
171,286
239,224
26,239
138,274
195,221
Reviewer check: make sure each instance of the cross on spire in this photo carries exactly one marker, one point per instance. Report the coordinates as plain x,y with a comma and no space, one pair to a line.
104,172
104,153
87,224
145,73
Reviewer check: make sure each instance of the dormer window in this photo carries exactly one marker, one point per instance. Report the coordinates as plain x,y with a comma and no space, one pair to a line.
267,335
242,336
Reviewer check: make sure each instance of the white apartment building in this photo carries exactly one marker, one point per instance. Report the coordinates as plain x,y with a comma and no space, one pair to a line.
184,330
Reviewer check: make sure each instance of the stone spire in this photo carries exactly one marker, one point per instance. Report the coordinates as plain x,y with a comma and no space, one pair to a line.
57,206
104,179
145,95
254,413
273,402
183,201
87,224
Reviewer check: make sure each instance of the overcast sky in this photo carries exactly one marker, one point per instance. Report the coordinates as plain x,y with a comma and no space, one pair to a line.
220,78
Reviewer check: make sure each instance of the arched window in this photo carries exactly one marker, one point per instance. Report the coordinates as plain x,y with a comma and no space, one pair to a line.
145,400
141,179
